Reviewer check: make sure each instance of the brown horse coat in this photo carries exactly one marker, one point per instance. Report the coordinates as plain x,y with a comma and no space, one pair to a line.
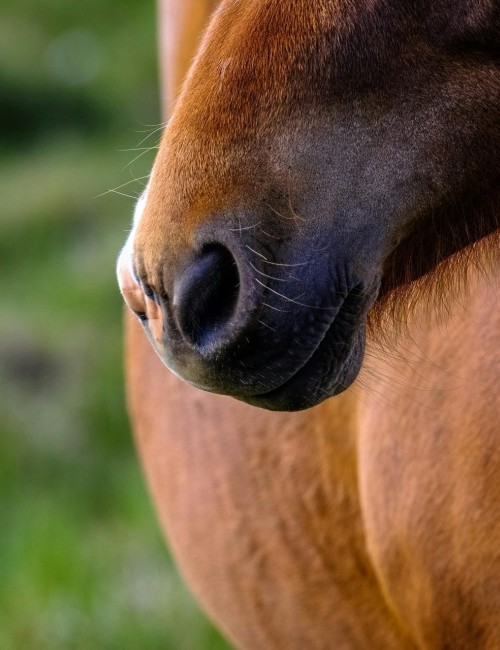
371,520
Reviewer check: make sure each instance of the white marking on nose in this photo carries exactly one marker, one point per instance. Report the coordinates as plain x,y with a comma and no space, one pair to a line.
125,257
139,207
132,293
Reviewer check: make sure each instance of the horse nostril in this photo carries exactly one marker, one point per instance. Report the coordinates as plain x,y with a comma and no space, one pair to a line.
205,296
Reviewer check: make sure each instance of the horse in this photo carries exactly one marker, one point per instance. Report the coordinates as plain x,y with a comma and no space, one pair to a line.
317,250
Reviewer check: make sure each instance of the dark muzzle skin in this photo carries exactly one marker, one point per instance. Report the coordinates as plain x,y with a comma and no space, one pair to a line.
299,181
279,328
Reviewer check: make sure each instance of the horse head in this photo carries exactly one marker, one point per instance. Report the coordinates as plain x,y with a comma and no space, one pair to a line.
321,156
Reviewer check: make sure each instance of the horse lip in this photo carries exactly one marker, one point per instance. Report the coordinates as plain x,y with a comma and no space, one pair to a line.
313,352
238,394
354,305
298,370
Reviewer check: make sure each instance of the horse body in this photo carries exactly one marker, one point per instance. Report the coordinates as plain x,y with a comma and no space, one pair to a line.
371,519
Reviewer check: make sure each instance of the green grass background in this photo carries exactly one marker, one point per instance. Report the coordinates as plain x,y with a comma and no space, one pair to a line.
82,563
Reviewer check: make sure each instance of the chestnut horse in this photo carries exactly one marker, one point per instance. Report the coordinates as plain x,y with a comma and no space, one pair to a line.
322,220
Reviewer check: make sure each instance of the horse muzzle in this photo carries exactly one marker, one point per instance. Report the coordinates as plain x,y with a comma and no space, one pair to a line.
229,317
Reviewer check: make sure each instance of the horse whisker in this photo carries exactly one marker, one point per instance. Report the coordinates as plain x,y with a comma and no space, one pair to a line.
289,265
284,311
266,325
257,253
266,275
292,299
244,228
132,180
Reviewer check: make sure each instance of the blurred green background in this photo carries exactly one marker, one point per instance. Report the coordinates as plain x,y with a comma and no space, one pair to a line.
82,563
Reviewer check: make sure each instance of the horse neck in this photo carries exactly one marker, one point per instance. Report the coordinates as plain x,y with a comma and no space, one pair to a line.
415,346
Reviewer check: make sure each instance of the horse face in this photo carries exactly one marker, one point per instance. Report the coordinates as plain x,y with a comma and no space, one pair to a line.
320,155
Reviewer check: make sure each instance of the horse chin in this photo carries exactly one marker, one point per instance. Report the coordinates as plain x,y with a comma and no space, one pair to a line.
321,377
333,365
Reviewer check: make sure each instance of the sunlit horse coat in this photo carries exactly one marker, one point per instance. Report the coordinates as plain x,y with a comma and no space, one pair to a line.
322,219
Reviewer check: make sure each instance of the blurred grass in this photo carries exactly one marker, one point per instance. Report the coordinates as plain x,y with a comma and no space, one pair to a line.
82,563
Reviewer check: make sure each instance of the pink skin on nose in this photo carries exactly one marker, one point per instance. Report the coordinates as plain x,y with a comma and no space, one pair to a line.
136,299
